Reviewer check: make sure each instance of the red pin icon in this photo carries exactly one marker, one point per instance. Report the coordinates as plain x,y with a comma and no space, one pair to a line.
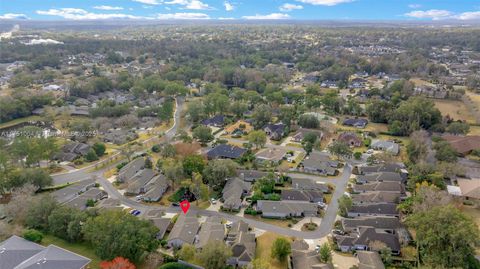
185,205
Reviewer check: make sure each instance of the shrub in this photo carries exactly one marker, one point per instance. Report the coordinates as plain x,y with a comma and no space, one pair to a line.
357,155
33,235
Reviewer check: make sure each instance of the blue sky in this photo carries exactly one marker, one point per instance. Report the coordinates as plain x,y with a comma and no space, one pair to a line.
461,10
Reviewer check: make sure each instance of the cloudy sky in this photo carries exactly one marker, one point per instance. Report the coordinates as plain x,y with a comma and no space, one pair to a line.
461,10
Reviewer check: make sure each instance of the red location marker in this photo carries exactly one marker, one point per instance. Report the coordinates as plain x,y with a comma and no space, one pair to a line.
185,205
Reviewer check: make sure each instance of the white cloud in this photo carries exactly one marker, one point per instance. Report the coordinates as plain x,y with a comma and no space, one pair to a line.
273,16
474,15
414,6
228,6
183,16
290,7
81,14
225,18
13,16
107,8
190,4
325,2
148,2
435,14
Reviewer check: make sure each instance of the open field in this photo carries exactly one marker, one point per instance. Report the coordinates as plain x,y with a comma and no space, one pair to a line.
264,246
278,222
474,97
455,109
19,120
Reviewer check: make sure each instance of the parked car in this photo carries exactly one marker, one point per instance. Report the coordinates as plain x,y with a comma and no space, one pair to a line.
338,232
213,201
135,212
322,204
175,204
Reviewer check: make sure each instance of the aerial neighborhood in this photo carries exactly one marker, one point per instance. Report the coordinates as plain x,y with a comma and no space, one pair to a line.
238,145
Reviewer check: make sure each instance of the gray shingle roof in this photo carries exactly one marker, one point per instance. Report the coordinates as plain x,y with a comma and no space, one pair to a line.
15,250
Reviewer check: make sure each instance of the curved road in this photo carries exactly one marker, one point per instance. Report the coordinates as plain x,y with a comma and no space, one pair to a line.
326,224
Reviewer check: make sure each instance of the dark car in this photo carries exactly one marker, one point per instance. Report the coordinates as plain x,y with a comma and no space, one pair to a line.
176,204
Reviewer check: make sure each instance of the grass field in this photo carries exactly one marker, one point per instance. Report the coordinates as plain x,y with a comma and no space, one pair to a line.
455,109
264,246
277,222
17,121
474,97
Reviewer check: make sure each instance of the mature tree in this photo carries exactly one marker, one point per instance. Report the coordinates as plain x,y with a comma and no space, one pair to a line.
203,134
66,222
99,148
344,204
458,127
35,176
308,121
173,171
116,233
340,149
216,103
450,242
281,248
257,138
187,252
217,171
214,255
445,152
238,108
262,115
193,164
195,111
20,201
378,111
91,156
39,211
287,114
412,115
418,147
168,151
117,263
325,253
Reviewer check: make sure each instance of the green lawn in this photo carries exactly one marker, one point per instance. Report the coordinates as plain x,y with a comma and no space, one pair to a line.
19,120
80,248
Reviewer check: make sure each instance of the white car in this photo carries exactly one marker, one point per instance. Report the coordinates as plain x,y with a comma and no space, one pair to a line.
321,204
213,201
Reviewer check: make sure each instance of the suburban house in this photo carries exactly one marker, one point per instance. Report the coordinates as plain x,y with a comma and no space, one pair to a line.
163,226
309,184
385,186
374,197
252,175
275,131
303,258
239,128
365,239
184,231
302,195
358,123
369,260
18,253
215,121
387,146
463,145
68,193
80,202
155,188
270,155
243,244
225,151
350,139
387,167
130,169
136,184
468,189
286,209
301,132
233,192
317,163
72,151
212,230
380,177
387,224
378,209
